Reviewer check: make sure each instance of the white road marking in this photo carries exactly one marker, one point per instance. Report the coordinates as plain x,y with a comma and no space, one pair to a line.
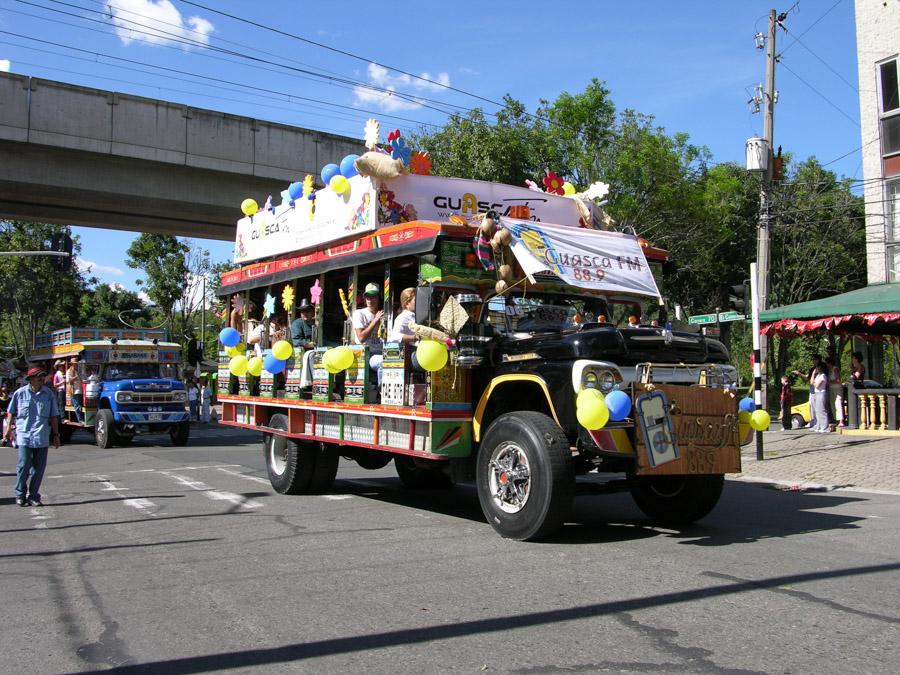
255,479
337,497
174,468
145,506
216,495
40,516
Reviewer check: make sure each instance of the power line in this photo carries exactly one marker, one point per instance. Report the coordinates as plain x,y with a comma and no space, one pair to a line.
819,93
173,37
344,52
206,77
810,27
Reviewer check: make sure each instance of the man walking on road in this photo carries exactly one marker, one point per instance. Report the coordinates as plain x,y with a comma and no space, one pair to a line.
33,414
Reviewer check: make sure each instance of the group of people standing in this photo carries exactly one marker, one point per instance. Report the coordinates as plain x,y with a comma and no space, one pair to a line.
826,391
199,395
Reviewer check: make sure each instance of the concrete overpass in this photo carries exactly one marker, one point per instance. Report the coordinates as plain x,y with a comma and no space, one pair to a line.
81,156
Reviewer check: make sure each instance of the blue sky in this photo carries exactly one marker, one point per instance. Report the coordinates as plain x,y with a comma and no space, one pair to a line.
692,64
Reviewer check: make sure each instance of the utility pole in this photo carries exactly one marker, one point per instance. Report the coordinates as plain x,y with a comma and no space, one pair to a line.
763,234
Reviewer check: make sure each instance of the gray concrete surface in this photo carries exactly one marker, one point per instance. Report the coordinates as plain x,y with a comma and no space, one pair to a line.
86,156
803,459
176,560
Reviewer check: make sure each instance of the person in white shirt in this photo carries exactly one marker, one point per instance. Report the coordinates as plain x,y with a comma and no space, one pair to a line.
205,400
366,322
193,395
401,332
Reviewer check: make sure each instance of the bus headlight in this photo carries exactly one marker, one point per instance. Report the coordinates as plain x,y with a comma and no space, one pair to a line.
179,396
598,377
123,397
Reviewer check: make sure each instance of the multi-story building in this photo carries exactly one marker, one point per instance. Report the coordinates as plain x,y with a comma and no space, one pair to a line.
878,57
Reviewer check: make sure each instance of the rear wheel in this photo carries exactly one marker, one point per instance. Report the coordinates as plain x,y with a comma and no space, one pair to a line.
677,500
297,467
105,429
524,475
419,476
179,433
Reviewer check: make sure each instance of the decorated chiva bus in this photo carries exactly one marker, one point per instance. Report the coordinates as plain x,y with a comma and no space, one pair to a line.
468,330
118,383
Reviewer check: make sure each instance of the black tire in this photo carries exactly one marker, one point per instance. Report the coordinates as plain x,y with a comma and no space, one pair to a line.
105,429
65,432
297,467
536,501
418,477
797,421
677,500
179,433
372,459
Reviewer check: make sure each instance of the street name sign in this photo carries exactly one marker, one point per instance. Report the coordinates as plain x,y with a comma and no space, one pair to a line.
701,319
731,316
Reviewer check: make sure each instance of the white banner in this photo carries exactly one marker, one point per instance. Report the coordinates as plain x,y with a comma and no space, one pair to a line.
437,198
308,223
605,261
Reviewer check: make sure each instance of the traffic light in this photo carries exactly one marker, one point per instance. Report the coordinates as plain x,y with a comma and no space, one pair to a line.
739,298
62,243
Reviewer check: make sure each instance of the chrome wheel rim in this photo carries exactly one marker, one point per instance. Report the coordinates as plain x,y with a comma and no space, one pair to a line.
277,455
509,477
101,428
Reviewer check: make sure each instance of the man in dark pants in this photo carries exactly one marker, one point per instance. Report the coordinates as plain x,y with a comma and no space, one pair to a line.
33,414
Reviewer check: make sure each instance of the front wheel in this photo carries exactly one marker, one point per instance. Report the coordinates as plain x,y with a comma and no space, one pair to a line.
677,500
179,433
524,475
105,429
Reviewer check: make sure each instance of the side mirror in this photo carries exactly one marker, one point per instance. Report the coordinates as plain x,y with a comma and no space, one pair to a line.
423,303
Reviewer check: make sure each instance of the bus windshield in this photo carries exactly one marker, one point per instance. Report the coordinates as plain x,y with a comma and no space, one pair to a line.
544,312
131,371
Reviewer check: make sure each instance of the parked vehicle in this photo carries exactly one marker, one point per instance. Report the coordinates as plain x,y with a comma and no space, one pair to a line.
130,383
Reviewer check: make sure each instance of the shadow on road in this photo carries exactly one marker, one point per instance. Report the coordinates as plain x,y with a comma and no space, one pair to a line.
745,514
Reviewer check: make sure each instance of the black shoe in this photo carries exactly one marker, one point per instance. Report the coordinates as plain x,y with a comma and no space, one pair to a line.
35,501
21,501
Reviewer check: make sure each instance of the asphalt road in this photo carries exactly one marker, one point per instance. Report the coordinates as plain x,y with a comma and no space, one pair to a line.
160,559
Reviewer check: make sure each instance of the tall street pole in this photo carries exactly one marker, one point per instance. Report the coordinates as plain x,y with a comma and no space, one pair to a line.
763,233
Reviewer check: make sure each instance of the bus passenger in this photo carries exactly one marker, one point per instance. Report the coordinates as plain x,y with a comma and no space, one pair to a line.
401,331
302,327
366,321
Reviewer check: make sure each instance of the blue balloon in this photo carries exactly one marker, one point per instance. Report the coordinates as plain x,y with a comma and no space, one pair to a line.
347,168
272,364
747,405
295,190
329,171
619,404
229,337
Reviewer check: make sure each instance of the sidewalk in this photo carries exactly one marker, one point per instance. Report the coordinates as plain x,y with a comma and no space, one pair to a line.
802,459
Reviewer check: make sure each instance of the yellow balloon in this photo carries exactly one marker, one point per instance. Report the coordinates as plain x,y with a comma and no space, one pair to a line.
342,357
587,396
432,355
328,362
238,365
592,414
283,350
568,188
249,207
237,350
744,417
255,366
760,420
339,184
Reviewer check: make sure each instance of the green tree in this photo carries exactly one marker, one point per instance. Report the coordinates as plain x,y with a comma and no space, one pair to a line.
35,297
102,305
163,259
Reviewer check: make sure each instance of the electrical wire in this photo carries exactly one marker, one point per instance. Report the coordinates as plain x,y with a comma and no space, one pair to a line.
825,63
819,93
810,27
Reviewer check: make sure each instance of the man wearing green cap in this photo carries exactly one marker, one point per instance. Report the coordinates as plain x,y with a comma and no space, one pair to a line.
366,321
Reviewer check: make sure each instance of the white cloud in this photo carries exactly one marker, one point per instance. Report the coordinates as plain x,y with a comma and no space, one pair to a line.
143,297
5,65
90,267
160,23
387,100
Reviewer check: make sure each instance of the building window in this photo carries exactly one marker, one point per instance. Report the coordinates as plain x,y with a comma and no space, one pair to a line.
890,107
892,218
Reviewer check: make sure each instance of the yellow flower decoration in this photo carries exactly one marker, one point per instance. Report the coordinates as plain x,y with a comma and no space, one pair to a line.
287,298
307,185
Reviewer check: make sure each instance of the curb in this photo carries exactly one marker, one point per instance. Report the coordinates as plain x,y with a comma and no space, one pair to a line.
805,486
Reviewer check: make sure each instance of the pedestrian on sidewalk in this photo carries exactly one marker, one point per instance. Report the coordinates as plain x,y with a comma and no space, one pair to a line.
193,400
33,422
205,400
835,390
787,399
819,407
